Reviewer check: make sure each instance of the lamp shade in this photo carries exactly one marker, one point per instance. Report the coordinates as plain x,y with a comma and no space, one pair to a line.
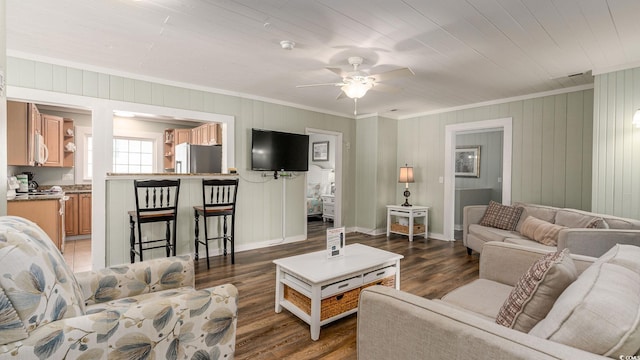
406,174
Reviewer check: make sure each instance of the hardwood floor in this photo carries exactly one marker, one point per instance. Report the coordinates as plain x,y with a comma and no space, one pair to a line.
430,269
77,254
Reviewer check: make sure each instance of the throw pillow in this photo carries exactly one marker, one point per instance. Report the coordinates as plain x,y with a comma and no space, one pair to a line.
35,277
537,291
11,327
541,231
597,223
501,216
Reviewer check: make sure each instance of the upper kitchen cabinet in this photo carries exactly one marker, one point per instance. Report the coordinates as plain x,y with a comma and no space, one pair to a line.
52,131
215,134
182,136
206,134
35,139
23,123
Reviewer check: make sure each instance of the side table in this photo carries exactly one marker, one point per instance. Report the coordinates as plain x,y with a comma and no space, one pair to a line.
328,207
396,212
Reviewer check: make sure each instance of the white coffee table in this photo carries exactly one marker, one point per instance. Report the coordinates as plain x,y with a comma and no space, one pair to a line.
315,284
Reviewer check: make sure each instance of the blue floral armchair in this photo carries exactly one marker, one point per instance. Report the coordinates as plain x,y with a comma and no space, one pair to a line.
146,310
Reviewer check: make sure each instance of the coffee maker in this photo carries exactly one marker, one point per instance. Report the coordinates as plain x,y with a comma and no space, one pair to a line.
33,185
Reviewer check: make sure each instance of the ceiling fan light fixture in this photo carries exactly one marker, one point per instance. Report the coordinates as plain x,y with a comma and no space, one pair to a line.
356,90
287,44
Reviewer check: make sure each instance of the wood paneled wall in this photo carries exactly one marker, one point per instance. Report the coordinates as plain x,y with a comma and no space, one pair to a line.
552,150
616,147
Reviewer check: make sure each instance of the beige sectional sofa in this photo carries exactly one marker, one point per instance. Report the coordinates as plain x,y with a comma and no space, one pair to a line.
595,316
608,230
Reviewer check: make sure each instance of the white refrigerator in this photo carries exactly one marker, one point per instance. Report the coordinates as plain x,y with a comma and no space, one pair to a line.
198,159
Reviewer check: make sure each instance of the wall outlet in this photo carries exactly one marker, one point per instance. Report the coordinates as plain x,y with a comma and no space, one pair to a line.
441,179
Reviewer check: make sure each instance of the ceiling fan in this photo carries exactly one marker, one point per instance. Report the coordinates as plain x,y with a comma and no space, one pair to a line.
356,83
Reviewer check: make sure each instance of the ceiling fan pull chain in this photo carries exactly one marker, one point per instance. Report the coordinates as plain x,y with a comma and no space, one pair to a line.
355,106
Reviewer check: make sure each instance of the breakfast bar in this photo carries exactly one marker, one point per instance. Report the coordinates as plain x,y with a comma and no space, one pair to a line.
120,200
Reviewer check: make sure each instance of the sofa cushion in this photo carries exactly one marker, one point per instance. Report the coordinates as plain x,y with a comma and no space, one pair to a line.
541,231
530,243
546,213
599,312
623,255
36,278
481,296
572,218
622,223
491,233
11,327
537,290
501,216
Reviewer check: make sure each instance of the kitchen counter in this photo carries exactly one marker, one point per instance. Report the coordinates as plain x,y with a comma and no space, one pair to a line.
38,197
118,176
76,189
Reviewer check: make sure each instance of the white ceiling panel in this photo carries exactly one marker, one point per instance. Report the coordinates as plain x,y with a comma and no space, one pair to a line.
461,51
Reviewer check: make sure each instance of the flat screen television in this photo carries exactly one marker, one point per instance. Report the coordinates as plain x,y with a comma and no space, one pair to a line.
279,151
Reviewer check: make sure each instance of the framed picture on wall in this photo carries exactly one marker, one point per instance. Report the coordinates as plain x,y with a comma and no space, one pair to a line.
320,151
467,161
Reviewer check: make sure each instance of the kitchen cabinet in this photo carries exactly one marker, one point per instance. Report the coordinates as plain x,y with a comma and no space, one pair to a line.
52,131
78,214
23,122
84,214
44,212
214,134
206,134
197,135
182,136
71,215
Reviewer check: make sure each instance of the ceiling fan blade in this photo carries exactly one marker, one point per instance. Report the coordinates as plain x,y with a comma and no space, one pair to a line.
325,84
386,88
393,74
342,95
338,71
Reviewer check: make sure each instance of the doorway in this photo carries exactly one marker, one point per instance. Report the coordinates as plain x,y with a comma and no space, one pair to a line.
323,198
451,133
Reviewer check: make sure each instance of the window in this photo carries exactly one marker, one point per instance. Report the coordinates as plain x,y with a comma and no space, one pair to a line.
130,155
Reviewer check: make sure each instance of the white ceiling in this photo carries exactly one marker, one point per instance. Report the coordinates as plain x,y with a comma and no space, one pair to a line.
462,51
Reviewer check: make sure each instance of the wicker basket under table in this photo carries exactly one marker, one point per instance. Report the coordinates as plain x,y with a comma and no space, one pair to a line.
336,304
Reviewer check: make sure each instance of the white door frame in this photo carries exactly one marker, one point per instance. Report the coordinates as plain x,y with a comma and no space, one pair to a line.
506,124
337,221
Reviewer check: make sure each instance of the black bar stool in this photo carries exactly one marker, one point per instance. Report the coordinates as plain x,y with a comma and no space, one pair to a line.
219,200
156,201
